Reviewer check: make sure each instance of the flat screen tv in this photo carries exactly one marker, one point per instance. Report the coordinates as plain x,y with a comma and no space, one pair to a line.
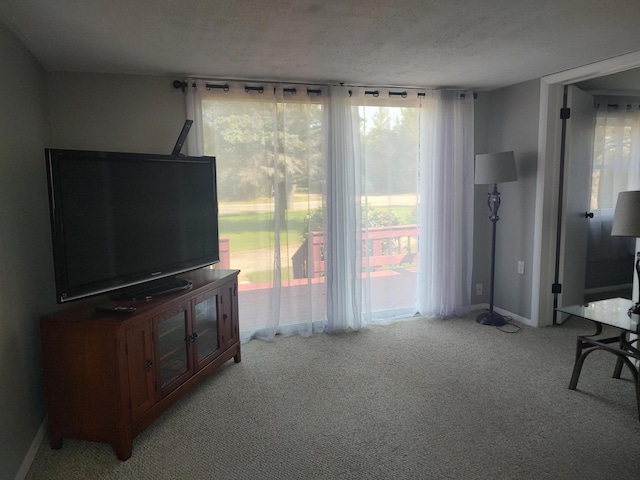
128,223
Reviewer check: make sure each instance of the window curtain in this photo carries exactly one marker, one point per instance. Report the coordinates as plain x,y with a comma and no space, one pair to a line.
615,168
388,131
343,247
268,145
372,181
446,204
343,207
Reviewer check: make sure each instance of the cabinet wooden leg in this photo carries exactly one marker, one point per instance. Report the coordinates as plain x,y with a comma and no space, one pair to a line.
236,357
55,442
124,446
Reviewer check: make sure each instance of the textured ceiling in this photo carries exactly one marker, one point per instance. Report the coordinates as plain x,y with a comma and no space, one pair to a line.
481,44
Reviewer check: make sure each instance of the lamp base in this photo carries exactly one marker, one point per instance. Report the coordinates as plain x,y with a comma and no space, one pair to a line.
491,318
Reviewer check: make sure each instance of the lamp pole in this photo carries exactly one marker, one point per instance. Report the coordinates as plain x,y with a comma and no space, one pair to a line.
490,317
494,168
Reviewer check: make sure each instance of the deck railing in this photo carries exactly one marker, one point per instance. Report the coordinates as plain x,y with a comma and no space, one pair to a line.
382,247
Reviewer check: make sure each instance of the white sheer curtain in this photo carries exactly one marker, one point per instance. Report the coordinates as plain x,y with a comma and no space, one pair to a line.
389,133
372,179
342,207
446,204
193,106
268,145
615,168
616,152
343,231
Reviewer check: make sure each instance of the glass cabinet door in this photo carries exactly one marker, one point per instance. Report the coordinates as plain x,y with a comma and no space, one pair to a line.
205,327
172,350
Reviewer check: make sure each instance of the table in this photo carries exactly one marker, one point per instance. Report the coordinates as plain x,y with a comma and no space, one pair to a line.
612,312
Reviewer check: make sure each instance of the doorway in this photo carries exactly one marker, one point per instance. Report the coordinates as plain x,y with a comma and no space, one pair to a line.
602,135
548,181
614,169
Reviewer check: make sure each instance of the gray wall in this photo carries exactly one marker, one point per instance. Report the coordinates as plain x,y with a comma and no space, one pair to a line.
481,224
26,271
507,119
114,112
88,111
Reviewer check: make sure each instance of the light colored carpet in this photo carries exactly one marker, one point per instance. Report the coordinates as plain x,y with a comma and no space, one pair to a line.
421,399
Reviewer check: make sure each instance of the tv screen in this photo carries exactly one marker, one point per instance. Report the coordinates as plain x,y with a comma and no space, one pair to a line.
124,219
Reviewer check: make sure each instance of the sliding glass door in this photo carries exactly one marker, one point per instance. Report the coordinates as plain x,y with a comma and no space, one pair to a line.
285,200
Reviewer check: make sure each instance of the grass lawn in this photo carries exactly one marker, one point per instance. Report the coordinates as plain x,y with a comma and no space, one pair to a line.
254,230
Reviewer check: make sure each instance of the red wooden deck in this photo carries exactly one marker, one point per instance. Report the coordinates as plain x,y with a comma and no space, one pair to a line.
381,247
305,299
389,254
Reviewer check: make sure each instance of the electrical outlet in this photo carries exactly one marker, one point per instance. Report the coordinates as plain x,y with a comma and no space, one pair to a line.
521,267
478,289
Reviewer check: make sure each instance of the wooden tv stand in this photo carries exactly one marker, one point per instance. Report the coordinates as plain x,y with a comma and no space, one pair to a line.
110,375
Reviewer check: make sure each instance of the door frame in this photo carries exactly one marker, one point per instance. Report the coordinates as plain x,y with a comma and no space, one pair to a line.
547,176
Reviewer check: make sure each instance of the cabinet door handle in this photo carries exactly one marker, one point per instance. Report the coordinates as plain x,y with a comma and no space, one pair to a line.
193,337
149,364
225,316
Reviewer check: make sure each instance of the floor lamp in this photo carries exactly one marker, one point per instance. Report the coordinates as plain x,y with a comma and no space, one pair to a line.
494,168
626,223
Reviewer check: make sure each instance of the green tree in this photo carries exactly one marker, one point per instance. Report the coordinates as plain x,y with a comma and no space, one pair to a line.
261,146
390,151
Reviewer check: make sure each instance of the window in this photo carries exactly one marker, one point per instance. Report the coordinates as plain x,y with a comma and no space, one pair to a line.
284,198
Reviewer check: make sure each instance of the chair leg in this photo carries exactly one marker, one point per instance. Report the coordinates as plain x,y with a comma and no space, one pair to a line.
618,370
577,368
638,394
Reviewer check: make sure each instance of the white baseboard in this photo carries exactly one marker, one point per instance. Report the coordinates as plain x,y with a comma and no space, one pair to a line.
505,313
517,318
33,449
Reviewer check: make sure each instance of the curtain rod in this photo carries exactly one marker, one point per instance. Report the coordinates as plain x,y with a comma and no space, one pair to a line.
225,87
403,94
616,106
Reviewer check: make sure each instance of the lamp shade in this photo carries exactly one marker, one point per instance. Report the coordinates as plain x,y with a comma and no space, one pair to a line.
626,219
495,168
